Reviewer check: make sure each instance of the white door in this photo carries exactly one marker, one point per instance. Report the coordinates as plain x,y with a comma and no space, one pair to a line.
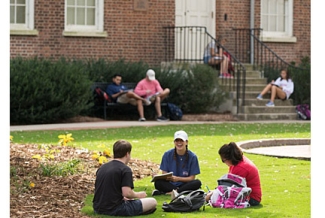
190,43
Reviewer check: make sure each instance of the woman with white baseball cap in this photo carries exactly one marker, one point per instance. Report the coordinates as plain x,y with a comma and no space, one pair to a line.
183,163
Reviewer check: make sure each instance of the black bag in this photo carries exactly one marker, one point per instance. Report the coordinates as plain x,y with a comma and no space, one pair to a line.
101,96
175,113
186,201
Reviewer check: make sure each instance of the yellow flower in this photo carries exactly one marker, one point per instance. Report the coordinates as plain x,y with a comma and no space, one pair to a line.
102,160
11,138
94,156
107,152
31,184
36,156
64,139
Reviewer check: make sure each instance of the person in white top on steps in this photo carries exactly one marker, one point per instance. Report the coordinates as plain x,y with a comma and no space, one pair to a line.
281,88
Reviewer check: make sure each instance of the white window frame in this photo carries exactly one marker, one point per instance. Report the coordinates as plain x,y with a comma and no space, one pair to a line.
287,35
96,30
28,27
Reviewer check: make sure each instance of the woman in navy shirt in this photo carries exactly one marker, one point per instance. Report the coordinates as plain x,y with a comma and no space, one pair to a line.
183,163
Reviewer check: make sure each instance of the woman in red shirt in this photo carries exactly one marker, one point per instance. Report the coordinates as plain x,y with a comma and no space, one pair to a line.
240,165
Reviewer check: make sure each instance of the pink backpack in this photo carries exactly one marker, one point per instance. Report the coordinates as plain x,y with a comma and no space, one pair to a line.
232,192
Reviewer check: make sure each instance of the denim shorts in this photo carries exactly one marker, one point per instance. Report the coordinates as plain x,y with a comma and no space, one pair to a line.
127,208
206,59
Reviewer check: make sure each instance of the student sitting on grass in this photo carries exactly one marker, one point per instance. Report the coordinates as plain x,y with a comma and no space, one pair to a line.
184,165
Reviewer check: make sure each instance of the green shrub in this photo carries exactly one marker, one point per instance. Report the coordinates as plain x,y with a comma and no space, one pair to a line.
42,91
301,77
102,70
194,89
45,91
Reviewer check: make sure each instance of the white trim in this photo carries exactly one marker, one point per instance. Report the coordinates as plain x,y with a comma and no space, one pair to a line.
29,20
291,39
286,36
85,30
84,33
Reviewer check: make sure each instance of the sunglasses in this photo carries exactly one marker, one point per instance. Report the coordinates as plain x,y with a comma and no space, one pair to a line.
223,160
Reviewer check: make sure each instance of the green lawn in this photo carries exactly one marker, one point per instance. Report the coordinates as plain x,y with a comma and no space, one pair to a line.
285,182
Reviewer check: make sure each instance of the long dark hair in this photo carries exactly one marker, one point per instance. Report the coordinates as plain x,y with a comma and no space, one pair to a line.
176,159
288,74
231,152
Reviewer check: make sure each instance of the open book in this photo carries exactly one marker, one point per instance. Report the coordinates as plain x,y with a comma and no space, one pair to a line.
126,91
162,176
152,97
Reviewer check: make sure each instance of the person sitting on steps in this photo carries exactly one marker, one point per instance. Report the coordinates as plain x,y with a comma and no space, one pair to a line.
213,55
281,88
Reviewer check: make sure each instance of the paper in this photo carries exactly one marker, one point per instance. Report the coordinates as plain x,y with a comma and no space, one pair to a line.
162,176
126,91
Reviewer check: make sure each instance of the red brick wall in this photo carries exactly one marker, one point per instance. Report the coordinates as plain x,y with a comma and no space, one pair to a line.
238,16
133,35
139,35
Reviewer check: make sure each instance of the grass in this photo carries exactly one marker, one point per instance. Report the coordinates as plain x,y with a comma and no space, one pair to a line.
285,182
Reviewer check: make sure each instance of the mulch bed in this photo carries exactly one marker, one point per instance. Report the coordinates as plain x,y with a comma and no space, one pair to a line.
55,196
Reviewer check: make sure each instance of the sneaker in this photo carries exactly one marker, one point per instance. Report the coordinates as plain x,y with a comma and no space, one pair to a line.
228,75
147,102
270,104
173,194
162,118
259,97
142,119
156,192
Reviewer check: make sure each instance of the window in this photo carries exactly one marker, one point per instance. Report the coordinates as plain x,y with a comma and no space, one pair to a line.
22,17
277,20
84,18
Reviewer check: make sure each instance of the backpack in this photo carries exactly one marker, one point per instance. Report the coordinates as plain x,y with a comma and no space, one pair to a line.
101,96
231,192
175,113
186,201
303,111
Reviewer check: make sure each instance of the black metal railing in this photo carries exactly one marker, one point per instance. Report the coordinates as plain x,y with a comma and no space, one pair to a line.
250,49
187,44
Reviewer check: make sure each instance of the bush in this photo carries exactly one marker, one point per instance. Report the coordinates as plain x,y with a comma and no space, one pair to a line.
301,77
102,70
42,91
45,91
194,89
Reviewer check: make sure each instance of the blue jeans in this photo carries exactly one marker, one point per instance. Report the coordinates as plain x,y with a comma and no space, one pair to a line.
127,208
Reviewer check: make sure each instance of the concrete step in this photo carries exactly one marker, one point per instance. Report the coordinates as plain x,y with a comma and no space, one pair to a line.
257,88
269,116
249,81
267,110
255,102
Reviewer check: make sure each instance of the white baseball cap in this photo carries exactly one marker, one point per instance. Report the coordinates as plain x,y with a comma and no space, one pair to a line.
181,135
151,74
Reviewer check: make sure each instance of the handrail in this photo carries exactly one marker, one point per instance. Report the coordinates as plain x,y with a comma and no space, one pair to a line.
187,44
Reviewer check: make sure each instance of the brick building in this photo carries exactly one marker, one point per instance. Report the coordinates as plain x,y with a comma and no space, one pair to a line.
134,29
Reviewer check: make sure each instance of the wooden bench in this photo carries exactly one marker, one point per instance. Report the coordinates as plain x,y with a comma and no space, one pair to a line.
112,107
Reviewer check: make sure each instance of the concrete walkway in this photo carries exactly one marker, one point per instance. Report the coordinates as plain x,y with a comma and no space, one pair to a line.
300,151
